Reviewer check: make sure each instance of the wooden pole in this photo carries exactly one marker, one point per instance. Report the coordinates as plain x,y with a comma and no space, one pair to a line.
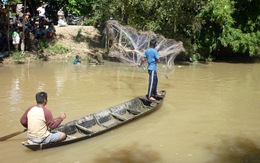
8,29
12,135
22,44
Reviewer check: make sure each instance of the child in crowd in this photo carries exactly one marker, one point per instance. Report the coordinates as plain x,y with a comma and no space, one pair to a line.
50,31
16,38
40,32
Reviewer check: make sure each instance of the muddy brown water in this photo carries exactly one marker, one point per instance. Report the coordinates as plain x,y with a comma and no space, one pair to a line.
210,114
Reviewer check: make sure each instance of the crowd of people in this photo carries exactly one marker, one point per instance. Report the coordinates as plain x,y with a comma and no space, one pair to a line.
27,29
3,42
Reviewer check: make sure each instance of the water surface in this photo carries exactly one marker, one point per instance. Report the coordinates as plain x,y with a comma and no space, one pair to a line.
210,113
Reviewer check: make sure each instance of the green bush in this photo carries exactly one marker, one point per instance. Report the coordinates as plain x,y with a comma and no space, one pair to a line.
43,44
56,49
17,55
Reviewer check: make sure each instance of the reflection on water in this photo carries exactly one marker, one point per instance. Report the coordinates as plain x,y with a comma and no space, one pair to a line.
59,83
15,95
207,107
236,150
40,86
128,155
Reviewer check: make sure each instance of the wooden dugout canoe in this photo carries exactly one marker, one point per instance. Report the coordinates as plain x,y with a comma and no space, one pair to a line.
98,123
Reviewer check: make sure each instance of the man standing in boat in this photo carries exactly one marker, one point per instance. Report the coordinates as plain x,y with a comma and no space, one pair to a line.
152,57
37,119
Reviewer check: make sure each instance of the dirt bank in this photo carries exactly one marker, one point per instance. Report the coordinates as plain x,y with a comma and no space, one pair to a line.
79,39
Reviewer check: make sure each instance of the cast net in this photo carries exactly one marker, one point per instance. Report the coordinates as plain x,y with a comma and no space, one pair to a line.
128,45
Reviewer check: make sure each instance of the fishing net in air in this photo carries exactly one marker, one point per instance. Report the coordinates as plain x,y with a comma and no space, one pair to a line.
128,45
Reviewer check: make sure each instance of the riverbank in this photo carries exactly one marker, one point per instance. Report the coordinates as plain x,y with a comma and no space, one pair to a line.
79,39
76,40
84,41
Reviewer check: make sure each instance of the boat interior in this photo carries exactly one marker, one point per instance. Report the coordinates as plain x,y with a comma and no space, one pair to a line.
109,118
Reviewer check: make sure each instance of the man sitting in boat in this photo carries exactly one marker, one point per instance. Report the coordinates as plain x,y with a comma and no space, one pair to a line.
37,119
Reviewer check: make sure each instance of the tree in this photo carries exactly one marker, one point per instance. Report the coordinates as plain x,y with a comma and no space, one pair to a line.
204,26
230,24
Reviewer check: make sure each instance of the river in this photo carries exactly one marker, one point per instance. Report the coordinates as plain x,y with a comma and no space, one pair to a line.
210,114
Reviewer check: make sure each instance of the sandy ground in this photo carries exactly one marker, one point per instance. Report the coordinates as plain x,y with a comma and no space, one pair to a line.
79,39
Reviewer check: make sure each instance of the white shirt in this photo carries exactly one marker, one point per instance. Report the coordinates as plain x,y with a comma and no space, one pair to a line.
41,11
60,13
37,127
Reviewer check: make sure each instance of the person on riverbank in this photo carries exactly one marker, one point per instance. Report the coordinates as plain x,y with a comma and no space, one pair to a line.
61,19
38,119
50,31
41,11
152,57
39,32
16,39
76,60
95,57
60,14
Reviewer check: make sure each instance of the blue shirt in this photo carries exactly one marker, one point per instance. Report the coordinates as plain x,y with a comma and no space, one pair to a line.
151,56
76,61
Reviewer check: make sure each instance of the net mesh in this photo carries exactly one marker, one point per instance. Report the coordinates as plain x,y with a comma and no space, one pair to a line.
128,45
